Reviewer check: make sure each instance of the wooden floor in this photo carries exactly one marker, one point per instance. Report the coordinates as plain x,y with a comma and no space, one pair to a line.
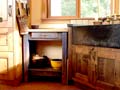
39,86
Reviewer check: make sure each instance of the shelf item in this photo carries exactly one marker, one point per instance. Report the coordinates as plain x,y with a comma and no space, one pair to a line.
56,63
40,62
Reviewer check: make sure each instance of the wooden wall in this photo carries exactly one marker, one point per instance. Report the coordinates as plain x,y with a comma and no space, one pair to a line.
52,49
35,11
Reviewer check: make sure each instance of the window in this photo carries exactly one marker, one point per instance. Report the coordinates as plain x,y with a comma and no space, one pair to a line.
62,8
74,9
99,8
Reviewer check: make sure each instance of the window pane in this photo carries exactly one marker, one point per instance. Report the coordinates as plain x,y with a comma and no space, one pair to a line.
63,7
105,8
88,8
92,8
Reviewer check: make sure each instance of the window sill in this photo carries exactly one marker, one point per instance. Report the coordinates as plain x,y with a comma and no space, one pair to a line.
55,21
61,20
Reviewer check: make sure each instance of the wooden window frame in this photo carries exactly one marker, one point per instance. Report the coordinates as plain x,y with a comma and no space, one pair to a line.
46,11
64,17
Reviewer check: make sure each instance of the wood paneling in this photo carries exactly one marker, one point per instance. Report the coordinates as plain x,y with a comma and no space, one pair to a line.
96,66
3,65
3,36
3,40
117,69
106,68
6,39
35,11
6,66
10,46
6,13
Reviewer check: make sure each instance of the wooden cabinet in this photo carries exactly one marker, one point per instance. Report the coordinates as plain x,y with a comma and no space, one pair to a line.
96,67
91,66
51,44
84,65
108,68
6,13
106,59
10,45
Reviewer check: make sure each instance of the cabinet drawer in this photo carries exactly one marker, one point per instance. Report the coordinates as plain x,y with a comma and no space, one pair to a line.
45,35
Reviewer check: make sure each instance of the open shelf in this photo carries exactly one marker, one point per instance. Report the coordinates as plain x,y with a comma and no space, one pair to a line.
50,72
45,69
42,44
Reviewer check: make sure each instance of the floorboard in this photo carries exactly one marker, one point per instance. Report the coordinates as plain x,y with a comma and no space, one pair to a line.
39,86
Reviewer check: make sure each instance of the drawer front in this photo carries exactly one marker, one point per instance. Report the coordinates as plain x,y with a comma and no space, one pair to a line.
46,35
